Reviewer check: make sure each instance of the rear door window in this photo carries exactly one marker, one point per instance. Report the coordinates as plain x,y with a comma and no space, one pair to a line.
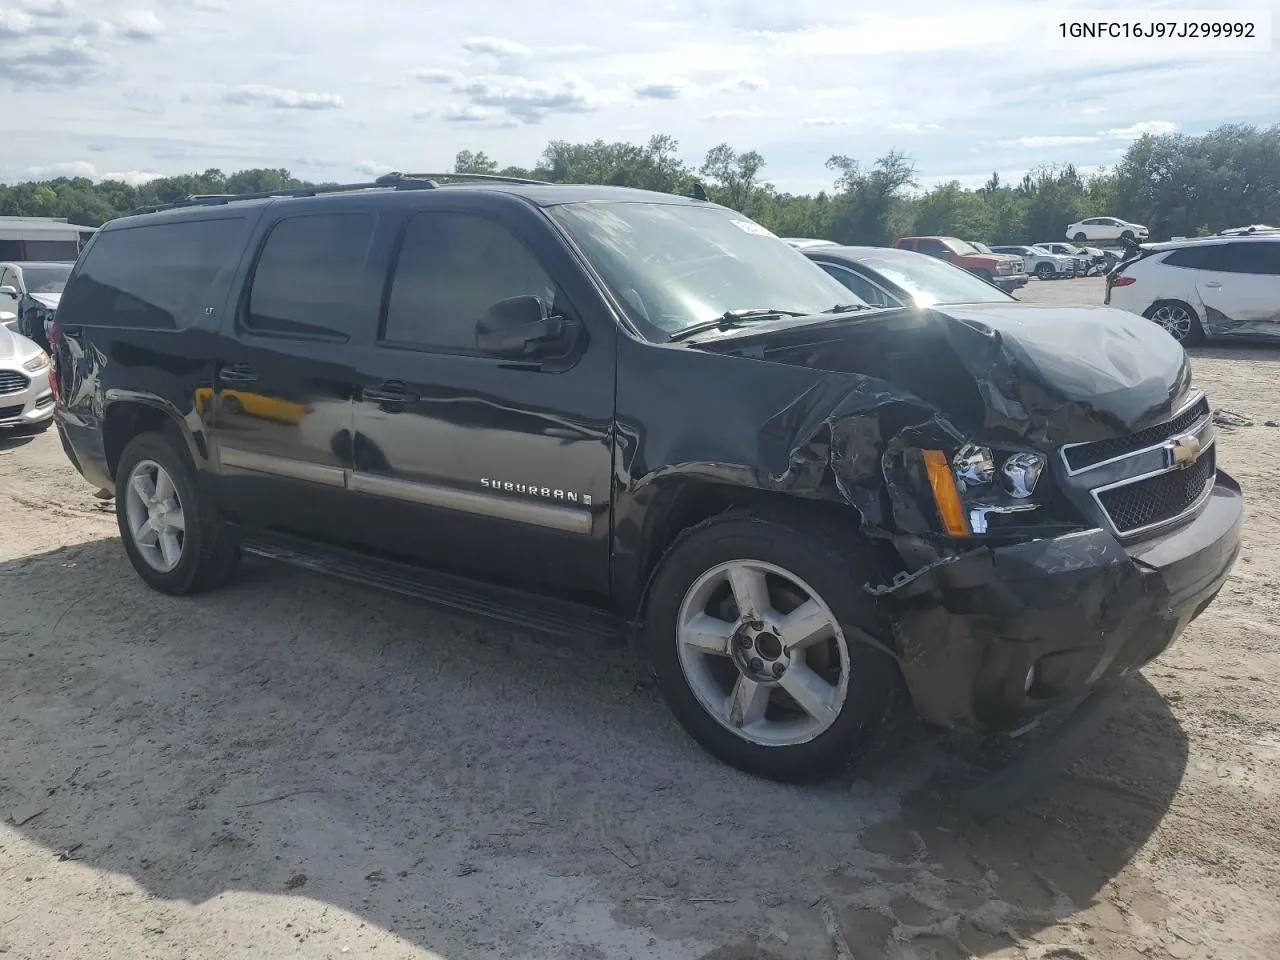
932,247
154,275
313,278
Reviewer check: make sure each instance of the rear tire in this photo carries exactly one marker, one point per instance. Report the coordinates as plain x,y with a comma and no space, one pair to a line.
785,683
1079,238
1178,320
171,531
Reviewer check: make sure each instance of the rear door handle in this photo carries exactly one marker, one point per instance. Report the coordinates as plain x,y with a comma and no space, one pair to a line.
1212,283
389,391
237,373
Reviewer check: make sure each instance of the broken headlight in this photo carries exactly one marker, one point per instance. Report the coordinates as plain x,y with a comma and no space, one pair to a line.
984,483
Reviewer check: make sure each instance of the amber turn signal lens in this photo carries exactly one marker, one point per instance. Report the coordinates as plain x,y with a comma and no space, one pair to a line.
945,494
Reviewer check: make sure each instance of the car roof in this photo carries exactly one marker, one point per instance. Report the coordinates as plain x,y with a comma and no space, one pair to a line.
539,193
1211,241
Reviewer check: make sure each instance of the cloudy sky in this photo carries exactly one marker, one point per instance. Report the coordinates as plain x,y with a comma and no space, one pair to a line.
337,90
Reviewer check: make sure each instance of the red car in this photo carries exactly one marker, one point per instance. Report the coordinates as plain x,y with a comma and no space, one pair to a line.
1005,271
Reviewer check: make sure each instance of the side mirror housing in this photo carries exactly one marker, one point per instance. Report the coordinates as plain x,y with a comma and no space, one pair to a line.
525,328
9,291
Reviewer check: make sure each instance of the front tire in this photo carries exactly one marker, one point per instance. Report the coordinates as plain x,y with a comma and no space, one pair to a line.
171,531
1127,235
1044,271
1079,237
758,631
1178,320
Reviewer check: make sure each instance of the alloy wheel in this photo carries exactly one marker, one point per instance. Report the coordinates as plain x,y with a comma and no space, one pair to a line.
1176,320
157,523
762,653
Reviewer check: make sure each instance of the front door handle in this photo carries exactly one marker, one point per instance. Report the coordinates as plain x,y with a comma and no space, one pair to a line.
389,391
1214,284
237,373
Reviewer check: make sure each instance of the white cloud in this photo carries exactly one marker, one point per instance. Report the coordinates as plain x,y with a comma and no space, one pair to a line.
913,127
529,101
68,168
824,122
1133,132
282,99
141,25
1036,143
739,84
371,168
134,178
495,47
738,113
215,6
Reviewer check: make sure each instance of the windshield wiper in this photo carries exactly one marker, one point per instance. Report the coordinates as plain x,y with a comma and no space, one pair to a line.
731,318
847,308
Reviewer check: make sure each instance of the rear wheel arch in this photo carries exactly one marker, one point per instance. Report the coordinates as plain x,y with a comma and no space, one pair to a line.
128,418
1196,332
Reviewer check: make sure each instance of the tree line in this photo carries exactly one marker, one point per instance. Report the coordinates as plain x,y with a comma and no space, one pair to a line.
1174,183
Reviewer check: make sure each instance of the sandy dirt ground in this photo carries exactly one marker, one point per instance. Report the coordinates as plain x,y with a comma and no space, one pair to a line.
295,768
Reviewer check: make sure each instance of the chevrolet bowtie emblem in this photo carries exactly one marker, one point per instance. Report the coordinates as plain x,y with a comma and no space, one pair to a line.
1182,451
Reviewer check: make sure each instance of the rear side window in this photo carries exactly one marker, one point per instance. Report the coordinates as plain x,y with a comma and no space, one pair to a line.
1258,258
159,276
312,278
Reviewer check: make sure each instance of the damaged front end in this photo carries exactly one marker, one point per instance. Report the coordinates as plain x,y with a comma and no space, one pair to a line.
1047,478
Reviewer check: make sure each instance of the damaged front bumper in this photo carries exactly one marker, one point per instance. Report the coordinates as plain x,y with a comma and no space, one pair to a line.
995,635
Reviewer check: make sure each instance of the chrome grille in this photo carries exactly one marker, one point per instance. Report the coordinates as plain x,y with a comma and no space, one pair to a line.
1082,455
1146,503
11,381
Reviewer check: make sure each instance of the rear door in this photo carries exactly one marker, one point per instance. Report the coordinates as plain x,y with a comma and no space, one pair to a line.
283,370
1241,288
471,462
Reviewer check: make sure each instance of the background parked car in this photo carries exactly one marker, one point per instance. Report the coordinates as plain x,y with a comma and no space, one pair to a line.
26,398
1042,263
1077,254
1212,287
32,291
1105,228
1005,272
888,277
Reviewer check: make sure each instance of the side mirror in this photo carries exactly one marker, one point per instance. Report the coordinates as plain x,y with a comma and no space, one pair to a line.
524,327
9,291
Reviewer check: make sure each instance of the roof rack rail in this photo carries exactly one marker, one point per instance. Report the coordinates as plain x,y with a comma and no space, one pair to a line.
396,181
491,177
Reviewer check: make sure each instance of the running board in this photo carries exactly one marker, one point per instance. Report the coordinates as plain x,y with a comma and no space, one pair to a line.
553,617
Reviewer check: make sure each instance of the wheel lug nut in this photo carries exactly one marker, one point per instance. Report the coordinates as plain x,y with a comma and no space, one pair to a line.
757,664
745,642
779,669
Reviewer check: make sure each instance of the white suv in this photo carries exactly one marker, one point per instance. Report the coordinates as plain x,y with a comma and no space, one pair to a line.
1215,287
1104,229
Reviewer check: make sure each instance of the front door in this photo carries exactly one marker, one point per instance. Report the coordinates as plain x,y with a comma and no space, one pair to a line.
473,462
283,375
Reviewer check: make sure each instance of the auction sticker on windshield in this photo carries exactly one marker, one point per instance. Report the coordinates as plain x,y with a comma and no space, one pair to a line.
746,226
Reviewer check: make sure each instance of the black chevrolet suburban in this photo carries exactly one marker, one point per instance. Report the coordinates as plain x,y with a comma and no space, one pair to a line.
595,411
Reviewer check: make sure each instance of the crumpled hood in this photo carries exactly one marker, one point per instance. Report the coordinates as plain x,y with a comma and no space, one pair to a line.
14,347
1040,375
48,300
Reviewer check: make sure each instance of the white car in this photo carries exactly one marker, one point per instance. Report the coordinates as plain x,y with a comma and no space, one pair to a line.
1105,229
26,397
1196,289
